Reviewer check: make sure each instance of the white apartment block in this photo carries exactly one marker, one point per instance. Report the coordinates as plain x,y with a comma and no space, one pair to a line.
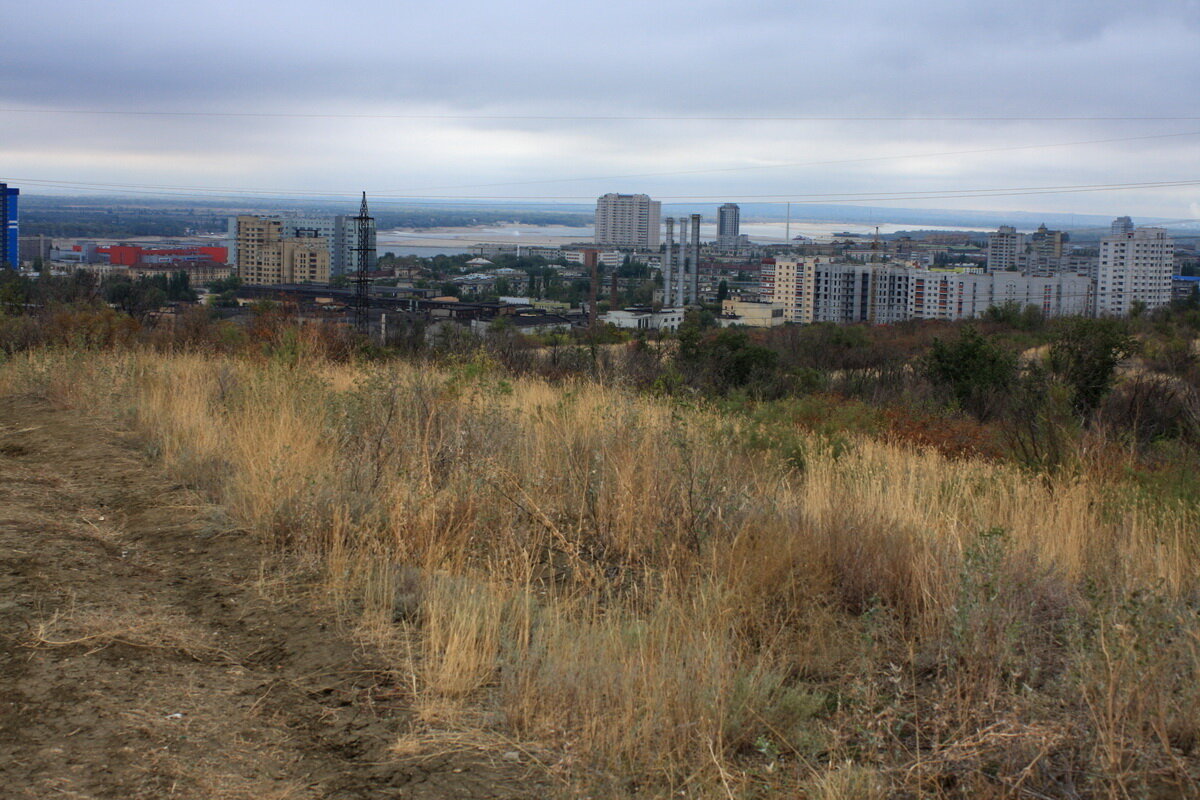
628,220
1061,295
1135,267
492,250
1004,248
817,290
608,258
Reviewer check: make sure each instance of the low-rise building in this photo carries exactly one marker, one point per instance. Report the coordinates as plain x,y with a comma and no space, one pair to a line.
523,322
198,273
1184,287
585,256
489,250
752,314
645,319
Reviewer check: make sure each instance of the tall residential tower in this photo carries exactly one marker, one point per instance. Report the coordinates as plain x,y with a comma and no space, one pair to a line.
267,255
628,220
1121,225
1004,247
1135,267
339,233
9,229
728,225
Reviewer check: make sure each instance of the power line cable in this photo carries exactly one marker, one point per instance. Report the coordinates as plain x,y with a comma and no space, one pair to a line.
608,117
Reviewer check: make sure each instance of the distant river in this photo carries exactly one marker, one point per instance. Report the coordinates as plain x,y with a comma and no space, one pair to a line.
432,241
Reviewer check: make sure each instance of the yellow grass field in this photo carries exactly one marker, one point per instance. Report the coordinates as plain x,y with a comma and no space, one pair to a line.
624,587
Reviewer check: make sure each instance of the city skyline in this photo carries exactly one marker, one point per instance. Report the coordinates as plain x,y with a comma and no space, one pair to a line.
485,102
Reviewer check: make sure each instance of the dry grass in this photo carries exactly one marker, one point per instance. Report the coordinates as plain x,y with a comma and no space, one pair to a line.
97,628
618,579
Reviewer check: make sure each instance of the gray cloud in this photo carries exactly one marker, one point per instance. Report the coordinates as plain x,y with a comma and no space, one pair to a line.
758,58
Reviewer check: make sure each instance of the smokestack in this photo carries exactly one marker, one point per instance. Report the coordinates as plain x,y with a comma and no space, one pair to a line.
589,257
668,251
682,279
696,259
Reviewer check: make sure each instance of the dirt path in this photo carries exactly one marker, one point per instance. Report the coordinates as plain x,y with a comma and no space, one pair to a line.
139,659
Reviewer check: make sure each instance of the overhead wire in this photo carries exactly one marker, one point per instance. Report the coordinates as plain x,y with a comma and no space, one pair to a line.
612,117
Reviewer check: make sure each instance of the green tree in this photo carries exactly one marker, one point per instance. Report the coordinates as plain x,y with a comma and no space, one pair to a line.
1085,356
179,287
978,374
229,284
227,299
724,361
14,292
722,291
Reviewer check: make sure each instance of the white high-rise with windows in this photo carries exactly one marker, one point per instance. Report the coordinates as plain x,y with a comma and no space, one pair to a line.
1135,267
1004,247
628,220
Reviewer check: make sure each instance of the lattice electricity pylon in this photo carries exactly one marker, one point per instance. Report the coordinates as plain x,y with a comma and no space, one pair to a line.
362,262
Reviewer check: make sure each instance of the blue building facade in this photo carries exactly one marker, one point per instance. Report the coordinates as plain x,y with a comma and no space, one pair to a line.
9,229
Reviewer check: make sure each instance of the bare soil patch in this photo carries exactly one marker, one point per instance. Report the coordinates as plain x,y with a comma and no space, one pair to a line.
143,656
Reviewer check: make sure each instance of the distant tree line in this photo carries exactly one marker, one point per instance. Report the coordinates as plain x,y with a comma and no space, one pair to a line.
117,221
109,224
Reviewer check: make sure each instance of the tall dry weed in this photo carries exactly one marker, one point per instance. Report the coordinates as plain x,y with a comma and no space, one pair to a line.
621,578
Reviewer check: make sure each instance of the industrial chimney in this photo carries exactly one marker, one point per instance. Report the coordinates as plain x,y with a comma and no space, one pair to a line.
696,259
681,282
668,251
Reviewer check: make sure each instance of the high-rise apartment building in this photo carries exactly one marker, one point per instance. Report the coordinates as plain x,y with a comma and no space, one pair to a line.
1047,243
1004,248
340,234
728,225
1135,267
266,256
628,220
1121,225
10,254
790,283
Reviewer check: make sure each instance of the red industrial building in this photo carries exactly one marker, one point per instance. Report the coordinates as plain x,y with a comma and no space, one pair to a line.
131,255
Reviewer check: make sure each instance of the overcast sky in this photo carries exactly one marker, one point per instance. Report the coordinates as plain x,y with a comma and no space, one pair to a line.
445,72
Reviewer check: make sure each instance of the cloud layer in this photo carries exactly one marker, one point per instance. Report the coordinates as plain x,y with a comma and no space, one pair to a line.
853,58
